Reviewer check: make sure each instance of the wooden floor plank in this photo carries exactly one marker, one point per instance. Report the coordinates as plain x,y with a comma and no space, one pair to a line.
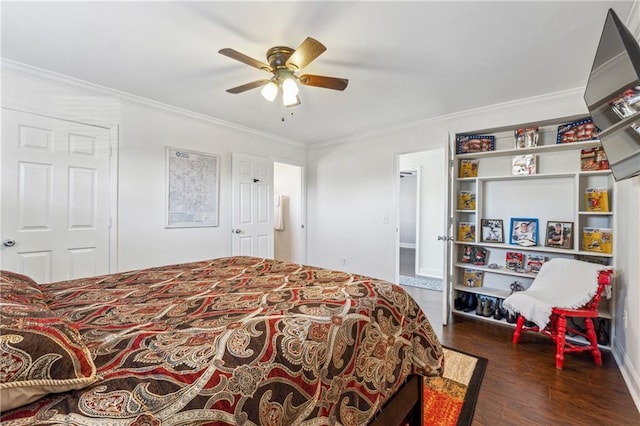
521,385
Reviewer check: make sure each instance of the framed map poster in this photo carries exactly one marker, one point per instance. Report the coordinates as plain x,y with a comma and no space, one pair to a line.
192,189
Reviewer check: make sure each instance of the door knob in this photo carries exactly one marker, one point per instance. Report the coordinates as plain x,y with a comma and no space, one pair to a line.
236,231
9,243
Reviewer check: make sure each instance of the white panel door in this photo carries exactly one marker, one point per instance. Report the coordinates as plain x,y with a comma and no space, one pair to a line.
55,197
252,214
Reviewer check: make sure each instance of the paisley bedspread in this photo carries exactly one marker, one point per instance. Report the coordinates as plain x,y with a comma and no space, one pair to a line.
237,341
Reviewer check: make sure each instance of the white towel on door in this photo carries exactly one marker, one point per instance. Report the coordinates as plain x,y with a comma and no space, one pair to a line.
278,212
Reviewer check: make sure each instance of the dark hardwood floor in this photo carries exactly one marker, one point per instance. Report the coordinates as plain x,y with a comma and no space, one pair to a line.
521,385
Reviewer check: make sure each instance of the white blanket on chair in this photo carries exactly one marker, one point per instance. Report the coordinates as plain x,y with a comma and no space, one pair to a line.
562,283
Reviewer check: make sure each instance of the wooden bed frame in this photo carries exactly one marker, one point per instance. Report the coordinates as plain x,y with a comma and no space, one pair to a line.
405,407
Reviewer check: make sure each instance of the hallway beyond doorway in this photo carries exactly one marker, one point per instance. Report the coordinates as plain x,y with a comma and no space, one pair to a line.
407,272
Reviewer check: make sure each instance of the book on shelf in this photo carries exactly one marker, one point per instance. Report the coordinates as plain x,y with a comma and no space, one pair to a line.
473,278
596,199
466,200
524,165
514,261
466,231
534,263
597,239
468,168
474,255
592,159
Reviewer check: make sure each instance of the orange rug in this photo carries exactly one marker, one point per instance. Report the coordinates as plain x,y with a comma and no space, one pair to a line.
451,399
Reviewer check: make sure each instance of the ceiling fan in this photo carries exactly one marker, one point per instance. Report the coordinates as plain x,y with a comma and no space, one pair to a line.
284,63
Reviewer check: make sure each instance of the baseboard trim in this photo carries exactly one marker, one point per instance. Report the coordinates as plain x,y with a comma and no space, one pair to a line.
407,245
431,274
630,376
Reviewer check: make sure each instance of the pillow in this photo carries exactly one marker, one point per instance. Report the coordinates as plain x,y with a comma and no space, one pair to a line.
40,353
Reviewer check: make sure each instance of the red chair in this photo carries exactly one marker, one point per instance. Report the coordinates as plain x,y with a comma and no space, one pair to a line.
556,327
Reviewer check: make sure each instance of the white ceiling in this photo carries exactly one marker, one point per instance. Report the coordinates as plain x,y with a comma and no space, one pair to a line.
405,61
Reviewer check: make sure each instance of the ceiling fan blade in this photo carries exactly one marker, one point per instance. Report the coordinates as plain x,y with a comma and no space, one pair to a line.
322,81
248,86
234,54
305,53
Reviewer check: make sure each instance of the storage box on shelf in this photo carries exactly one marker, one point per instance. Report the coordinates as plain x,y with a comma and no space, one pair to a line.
555,194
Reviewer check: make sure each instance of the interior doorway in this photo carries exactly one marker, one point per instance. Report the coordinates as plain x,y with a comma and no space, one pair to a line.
289,224
421,215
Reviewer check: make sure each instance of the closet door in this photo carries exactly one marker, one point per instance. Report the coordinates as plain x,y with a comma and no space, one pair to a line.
252,214
55,197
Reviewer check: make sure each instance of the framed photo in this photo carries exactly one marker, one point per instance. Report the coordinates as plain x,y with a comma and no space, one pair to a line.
492,231
559,234
524,231
192,189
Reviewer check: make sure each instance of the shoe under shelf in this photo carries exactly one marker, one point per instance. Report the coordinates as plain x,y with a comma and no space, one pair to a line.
603,310
503,322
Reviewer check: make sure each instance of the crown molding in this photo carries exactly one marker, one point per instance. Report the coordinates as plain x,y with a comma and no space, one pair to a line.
60,80
448,120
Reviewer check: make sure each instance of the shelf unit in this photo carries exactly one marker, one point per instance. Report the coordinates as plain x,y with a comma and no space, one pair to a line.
556,193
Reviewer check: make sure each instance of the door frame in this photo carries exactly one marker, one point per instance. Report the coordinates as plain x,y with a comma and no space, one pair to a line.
114,143
419,225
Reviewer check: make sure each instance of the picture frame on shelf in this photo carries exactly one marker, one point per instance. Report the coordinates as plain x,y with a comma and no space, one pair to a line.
524,231
559,234
492,231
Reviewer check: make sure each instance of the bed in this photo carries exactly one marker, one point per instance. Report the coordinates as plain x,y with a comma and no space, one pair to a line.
236,340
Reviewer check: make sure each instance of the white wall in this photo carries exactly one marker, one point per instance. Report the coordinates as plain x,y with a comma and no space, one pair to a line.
145,129
627,295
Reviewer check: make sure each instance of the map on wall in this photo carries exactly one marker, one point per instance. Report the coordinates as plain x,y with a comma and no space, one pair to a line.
192,194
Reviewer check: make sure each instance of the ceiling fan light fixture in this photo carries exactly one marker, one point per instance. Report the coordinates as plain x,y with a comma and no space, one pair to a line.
270,91
283,63
289,88
291,101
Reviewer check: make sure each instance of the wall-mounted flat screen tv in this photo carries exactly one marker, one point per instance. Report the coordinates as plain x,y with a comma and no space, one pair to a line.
612,96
